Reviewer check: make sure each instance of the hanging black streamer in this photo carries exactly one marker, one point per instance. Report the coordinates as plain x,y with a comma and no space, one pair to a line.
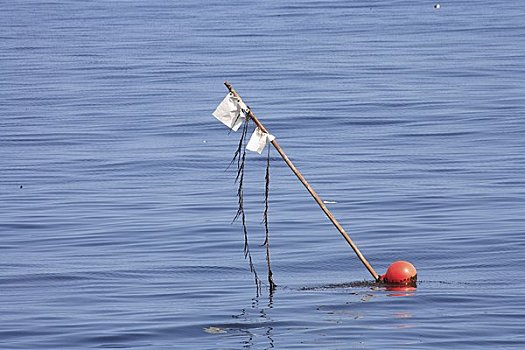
271,284
240,156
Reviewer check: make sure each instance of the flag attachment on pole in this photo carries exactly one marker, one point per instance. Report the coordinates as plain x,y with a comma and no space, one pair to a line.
231,112
259,140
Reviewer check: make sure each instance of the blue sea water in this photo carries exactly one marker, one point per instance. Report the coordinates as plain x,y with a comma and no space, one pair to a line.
116,202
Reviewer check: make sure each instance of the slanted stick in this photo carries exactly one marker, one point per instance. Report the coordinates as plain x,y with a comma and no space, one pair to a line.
310,189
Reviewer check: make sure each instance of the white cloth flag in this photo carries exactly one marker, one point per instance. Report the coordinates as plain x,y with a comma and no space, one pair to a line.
230,113
259,140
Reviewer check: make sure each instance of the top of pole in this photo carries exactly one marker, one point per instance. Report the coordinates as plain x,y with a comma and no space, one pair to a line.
250,113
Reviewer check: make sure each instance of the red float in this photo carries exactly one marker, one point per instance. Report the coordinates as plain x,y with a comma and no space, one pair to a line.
400,273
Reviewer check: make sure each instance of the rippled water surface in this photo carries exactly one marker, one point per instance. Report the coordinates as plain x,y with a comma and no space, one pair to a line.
116,202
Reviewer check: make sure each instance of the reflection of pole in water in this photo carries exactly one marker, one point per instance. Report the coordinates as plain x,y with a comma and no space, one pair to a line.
254,319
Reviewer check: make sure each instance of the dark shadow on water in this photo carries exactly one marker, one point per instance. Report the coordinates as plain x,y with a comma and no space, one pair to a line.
346,285
395,290
380,285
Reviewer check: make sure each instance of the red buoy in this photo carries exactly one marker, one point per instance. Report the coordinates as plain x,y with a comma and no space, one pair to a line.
400,273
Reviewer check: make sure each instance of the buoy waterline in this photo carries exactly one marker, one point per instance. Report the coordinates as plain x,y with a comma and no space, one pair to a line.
400,273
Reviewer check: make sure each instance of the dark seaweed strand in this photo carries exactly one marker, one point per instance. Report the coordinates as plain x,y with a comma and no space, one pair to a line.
271,284
241,154
242,139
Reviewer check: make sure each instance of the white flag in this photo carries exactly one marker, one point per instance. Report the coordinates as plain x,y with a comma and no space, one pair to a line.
259,140
230,112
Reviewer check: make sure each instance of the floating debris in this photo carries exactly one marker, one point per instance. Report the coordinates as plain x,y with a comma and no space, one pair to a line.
215,330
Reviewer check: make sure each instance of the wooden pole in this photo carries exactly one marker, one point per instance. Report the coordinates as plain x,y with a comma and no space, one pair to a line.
309,188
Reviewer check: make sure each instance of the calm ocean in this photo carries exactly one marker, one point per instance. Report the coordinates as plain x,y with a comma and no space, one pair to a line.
116,201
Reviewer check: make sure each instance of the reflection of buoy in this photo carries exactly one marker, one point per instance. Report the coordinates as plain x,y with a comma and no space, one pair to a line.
400,291
400,273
